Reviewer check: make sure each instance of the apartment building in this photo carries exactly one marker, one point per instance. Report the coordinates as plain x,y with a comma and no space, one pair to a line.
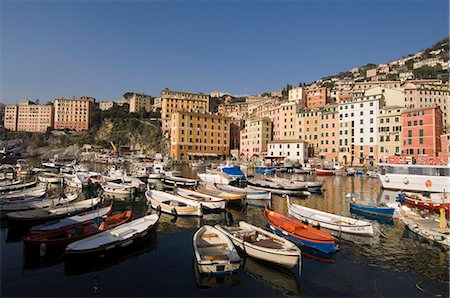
431,62
329,133
2,114
296,94
10,121
390,131
73,113
421,131
236,110
316,97
358,130
196,135
445,146
371,72
236,125
105,105
287,126
176,101
139,102
424,94
294,150
255,136
28,116
309,129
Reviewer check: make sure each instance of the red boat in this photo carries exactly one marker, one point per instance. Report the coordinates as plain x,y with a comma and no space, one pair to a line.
422,201
299,232
60,238
324,172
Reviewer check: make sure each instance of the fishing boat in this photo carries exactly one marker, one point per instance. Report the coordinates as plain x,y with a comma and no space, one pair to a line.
383,211
8,182
28,193
212,191
214,252
116,238
207,201
435,231
325,172
76,180
173,204
172,182
299,232
37,204
329,220
435,201
262,245
428,174
45,242
50,178
17,185
276,187
70,221
45,214
311,186
117,187
232,170
250,194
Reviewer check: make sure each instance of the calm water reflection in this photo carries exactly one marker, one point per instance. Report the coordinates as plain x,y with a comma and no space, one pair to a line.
396,264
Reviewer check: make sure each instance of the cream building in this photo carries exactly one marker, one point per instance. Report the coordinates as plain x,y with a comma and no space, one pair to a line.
176,101
105,105
139,101
390,131
255,136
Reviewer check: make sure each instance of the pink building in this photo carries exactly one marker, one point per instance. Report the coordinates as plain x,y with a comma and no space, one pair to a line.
421,131
445,146
329,133
316,97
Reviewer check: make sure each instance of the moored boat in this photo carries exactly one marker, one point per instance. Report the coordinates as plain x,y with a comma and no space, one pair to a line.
60,238
173,204
213,191
251,194
325,172
214,252
207,201
435,201
117,187
50,178
383,211
121,236
329,220
27,193
37,204
299,232
276,187
172,182
17,185
262,245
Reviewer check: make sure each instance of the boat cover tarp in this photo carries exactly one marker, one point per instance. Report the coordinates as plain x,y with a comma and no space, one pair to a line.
233,171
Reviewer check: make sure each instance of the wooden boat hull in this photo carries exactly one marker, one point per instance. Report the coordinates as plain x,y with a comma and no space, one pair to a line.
364,228
424,204
217,256
377,211
174,183
174,210
17,185
251,194
116,189
279,191
321,172
285,258
208,202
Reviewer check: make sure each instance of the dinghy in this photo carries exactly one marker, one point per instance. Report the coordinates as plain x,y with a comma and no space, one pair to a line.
207,201
119,237
383,211
262,245
36,204
117,187
276,187
212,191
312,186
172,182
329,220
436,201
27,193
251,194
50,178
60,238
45,214
173,204
299,232
17,185
214,252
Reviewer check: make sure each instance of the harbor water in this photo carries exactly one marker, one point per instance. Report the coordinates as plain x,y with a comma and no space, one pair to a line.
394,263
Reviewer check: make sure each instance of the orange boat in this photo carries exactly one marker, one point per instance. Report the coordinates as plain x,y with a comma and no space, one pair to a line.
299,232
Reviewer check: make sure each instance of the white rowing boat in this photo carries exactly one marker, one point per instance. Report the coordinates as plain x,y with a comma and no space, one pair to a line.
207,201
251,194
173,204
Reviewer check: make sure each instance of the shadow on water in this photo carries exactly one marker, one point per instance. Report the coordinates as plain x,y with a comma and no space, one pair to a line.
97,262
204,281
379,219
282,279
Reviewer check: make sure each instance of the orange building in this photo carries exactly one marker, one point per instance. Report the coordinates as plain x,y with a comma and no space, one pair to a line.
73,113
316,97
176,101
28,116
309,129
11,117
445,146
199,135
421,131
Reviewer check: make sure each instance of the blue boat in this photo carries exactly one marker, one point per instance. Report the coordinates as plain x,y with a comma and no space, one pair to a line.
373,210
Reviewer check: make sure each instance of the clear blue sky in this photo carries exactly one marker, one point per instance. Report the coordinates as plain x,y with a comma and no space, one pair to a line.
105,48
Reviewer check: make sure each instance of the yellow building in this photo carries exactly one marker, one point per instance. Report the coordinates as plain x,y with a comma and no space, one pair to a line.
390,131
199,135
175,101
308,128
287,129
73,113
